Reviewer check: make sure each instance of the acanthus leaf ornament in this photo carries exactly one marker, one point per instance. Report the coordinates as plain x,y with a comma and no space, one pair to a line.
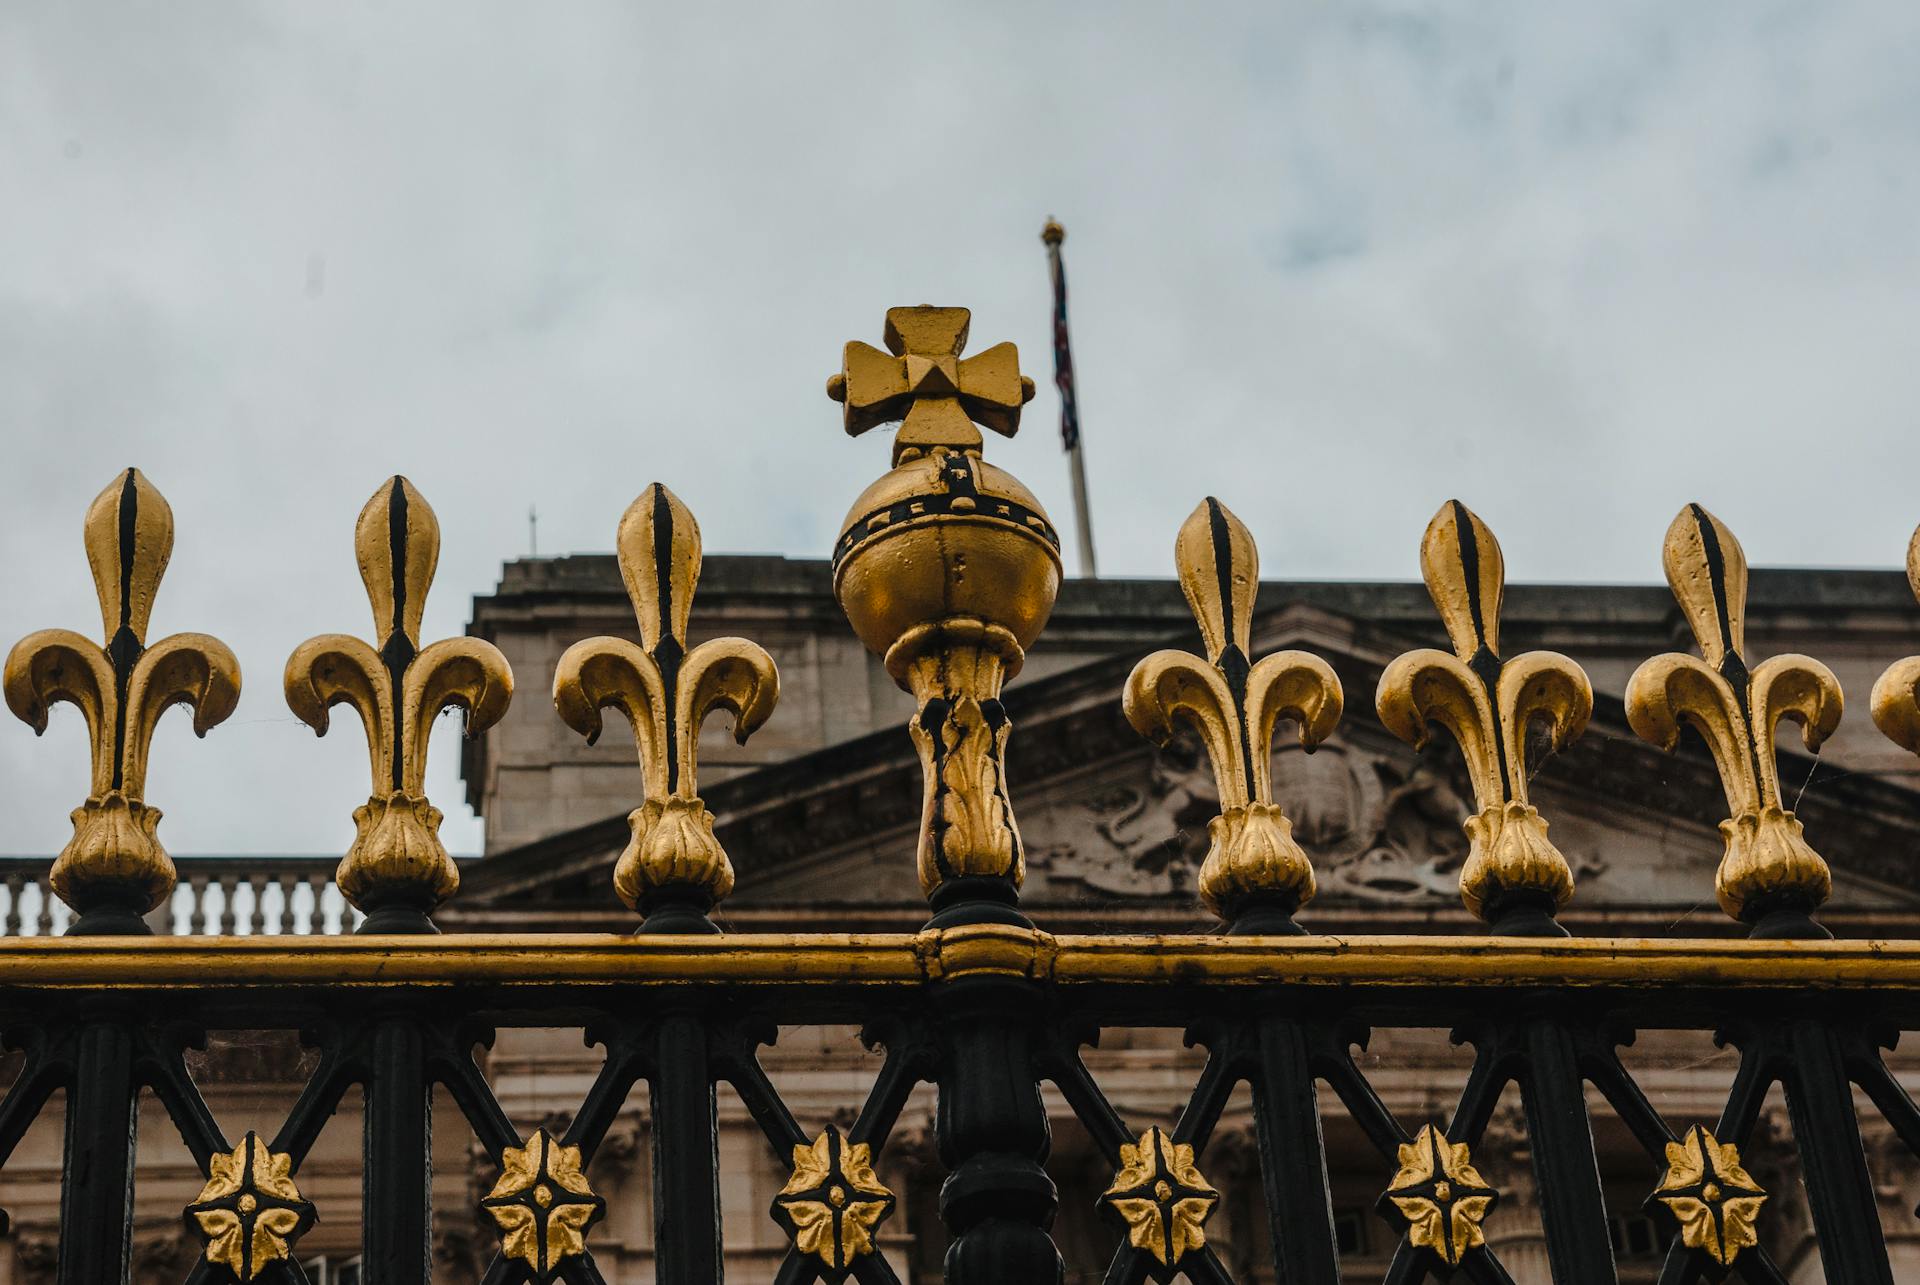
250,1212
113,869
1235,704
1896,695
1514,877
1711,1196
833,1203
947,567
397,870
673,861
1161,1200
543,1205
1769,877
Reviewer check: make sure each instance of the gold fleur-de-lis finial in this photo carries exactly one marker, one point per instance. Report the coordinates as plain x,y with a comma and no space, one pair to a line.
1514,877
397,869
923,381
1896,696
1770,877
114,870
673,870
1255,876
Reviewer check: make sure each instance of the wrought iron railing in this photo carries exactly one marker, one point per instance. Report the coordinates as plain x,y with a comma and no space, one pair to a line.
947,568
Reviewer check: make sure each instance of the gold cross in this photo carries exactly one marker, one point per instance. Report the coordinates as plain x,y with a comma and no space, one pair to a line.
923,381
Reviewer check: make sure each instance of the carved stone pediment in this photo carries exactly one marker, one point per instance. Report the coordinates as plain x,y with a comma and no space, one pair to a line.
1380,826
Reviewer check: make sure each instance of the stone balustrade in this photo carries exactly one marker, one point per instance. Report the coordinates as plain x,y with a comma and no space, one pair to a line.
215,895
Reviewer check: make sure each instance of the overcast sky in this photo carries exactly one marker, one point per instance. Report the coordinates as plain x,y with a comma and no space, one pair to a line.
1576,264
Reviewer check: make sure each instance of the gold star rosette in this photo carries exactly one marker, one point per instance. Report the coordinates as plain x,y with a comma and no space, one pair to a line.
833,1204
114,861
1768,868
1160,1198
1235,704
399,689
250,1212
1440,1195
1715,1201
543,1204
1489,705
666,691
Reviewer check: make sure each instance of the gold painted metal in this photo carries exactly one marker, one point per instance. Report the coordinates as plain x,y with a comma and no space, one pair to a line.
535,966
1441,1195
121,689
924,382
1715,1201
250,1212
398,688
1160,1197
666,692
833,1204
1768,866
948,568
1896,696
1235,705
1489,705
543,1204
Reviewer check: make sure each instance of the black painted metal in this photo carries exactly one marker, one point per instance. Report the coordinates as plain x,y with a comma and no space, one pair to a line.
988,1043
397,1235
96,1200
686,1191
998,1202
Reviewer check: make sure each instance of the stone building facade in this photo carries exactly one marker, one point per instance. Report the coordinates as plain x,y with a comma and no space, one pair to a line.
819,811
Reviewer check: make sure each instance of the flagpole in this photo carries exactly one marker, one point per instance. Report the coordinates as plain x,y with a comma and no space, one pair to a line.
1053,234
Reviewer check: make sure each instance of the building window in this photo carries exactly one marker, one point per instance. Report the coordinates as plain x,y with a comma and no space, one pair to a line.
1350,1230
324,1270
1636,1236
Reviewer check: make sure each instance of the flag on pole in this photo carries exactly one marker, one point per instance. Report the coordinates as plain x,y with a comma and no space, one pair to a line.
1053,234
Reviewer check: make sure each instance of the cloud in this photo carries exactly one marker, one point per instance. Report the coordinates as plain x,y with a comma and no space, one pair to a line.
1334,263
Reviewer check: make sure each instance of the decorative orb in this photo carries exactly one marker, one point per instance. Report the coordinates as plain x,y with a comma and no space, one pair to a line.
946,534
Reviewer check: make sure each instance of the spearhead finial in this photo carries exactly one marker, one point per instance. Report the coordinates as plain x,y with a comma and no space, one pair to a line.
1255,875
1514,877
397,869
673,870
1769,877
924,382
114,870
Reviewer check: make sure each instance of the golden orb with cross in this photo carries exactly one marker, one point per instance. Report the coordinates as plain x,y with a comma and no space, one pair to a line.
945,533
948,568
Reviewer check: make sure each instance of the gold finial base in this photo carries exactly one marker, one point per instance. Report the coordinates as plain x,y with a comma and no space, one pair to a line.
673,847
1509,860
397,862
114,860
1254,857
1770,873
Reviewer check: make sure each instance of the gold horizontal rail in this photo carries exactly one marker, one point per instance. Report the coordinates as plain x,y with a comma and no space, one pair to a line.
893,960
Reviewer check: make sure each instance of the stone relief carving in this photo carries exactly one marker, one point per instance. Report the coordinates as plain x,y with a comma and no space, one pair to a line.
1378,828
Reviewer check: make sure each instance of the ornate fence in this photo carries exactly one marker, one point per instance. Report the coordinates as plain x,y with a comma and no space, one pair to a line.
947,567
